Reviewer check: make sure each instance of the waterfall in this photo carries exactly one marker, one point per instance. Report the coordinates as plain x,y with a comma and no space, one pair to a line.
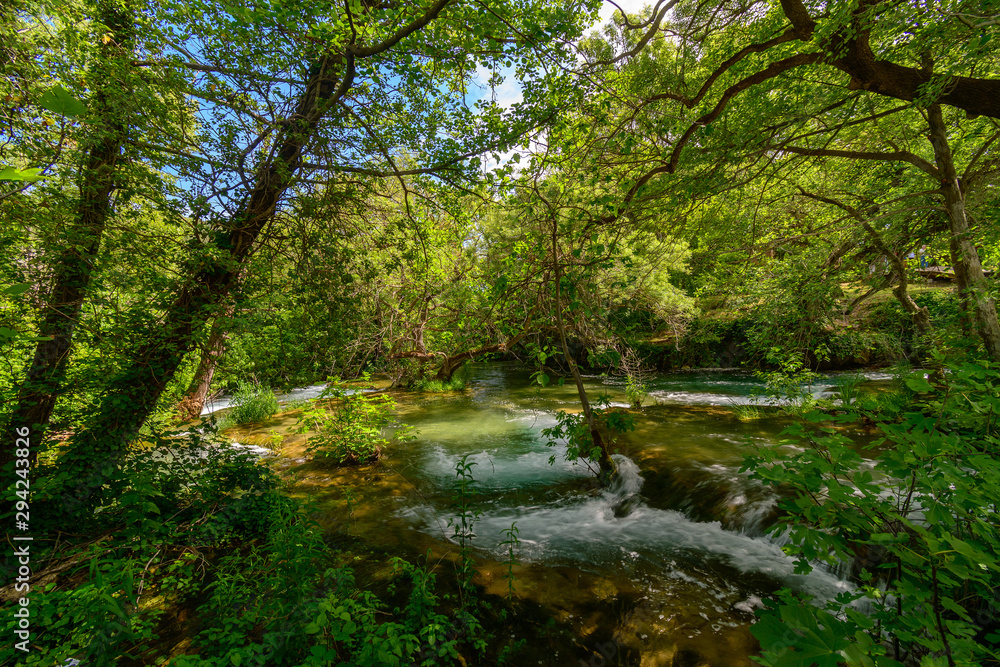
623,492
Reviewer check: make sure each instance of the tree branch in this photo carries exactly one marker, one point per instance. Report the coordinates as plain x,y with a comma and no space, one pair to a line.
898,156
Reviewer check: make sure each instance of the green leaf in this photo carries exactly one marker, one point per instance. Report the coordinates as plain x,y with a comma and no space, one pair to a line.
59,100
15,290
919,385
24,175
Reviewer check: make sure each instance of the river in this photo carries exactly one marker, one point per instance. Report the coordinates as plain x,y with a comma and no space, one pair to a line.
665,567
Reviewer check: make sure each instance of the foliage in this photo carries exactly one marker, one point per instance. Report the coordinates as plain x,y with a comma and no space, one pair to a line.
637,376
98,621
512,543
184,493
252,403
918,521
571,429
458,381
272,599
748,413
280,603
791,385
792,311
349,426
462,524
322,171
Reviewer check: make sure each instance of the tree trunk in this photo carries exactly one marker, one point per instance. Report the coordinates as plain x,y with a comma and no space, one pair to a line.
961,290
605,462
133,395
106,132
968,268
921,318
193,402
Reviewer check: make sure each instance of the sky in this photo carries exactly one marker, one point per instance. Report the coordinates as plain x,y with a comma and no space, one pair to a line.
509,92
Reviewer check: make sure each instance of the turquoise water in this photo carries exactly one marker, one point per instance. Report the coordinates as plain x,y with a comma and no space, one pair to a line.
674,556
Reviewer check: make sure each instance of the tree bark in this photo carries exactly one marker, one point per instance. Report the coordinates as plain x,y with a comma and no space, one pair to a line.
968,268
133,395
855,57
921,318
605,463
106,132
961,290
193,402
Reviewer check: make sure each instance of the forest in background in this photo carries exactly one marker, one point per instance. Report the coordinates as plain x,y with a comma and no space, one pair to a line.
199,197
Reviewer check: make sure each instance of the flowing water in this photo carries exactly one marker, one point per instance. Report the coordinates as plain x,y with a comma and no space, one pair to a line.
664,567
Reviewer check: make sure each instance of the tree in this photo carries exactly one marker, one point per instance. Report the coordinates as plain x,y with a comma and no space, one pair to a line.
107,125
692,92
339,112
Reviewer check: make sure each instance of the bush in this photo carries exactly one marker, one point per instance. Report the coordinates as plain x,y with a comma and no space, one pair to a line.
350,428
252,403
279,604
457,382
920,527
167,503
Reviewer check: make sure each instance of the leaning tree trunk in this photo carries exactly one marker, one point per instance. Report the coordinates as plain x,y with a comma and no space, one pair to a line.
921,318
193,402
605,462
968,268
105,133
133,395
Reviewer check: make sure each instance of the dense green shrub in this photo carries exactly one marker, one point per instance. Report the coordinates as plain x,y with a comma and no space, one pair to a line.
279,603
457,382
350,427
165,503
251,403
272,599
920,525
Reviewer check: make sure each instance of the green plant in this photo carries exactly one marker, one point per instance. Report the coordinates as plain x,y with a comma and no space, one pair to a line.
573,430
351,427
464,521
274,440
791,385
540,355
252,403
748,412
98,621
277,603
637,377
849,389
510,651
920,526
457,382
636,392
297,404
513,542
